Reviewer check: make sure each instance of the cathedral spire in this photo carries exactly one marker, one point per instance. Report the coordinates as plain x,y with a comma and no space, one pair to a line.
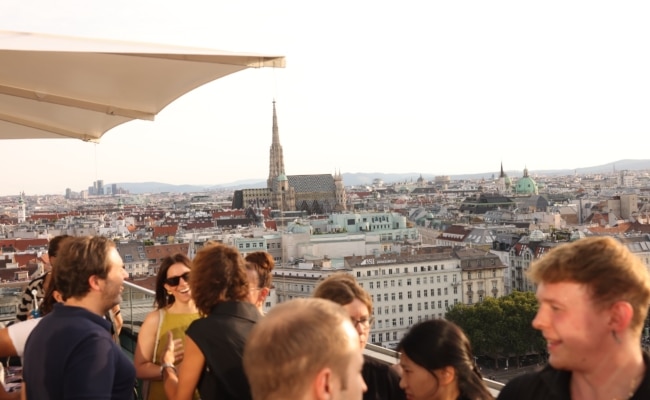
276,159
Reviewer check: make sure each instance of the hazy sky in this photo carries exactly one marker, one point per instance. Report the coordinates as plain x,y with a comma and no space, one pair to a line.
433,87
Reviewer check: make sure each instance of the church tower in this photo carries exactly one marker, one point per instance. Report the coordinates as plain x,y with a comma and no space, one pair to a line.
341,196
22,216
283,196
276,159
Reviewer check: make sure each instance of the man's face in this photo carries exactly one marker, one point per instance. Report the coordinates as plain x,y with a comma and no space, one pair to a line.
354,385
112,288
575,329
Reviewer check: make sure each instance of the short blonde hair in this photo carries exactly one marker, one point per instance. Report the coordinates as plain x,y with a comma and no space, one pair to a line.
605,266
292,343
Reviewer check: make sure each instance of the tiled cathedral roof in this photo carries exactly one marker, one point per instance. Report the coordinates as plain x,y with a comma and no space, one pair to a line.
312,183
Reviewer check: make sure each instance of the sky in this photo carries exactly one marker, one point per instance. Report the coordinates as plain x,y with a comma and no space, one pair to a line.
429,87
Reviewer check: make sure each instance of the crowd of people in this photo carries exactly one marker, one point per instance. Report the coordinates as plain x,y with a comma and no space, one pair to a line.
208,336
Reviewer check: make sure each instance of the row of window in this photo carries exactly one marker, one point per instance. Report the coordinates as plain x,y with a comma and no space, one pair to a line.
378,338
418,294
382,271
409,307
479,274
424,281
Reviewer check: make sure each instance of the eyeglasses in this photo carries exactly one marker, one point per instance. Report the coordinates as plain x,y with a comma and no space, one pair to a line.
175,280
364,322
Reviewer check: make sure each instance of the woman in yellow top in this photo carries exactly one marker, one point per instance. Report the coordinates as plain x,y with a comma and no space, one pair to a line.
175,310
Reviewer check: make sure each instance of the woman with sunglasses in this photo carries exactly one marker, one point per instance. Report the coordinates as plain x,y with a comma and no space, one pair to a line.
174,311
214,345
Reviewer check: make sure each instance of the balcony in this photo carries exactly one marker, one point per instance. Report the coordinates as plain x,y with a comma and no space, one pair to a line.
137,302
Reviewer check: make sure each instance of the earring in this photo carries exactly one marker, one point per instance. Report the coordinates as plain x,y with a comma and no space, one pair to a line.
169,293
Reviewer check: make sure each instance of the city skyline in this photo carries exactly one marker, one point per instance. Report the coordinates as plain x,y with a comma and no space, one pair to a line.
443,89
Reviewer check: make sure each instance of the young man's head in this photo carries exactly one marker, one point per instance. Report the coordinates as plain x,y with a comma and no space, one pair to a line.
90,264
304,349
593,295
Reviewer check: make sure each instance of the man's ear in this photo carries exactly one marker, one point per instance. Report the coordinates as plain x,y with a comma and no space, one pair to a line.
621,314
93,281
322,384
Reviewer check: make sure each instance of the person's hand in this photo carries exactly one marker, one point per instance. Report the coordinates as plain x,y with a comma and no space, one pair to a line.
169,357
179,351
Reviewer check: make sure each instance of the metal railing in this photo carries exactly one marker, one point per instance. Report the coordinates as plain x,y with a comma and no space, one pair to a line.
137,302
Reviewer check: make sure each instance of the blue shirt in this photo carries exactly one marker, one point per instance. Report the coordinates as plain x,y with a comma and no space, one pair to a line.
70,354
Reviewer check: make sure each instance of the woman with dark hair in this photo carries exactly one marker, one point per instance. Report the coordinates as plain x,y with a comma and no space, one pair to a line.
173,314
214,345
259,265
437,364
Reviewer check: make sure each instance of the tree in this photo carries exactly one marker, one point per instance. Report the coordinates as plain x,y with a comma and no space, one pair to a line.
500,327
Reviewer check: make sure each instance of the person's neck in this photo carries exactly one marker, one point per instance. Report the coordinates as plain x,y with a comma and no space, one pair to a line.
180,307
85,302
614,378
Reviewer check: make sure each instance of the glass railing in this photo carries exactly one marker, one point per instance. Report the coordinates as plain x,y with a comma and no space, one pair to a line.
137,302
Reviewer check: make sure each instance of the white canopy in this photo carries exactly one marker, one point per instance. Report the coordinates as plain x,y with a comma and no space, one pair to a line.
66,87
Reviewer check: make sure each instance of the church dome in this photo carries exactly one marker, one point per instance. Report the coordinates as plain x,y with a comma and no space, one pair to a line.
536,236
282,178
526,185
575,235
298,227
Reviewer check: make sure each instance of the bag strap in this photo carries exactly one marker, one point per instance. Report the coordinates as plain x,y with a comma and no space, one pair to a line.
161,316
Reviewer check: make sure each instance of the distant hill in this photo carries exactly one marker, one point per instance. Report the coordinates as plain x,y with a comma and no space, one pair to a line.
366,178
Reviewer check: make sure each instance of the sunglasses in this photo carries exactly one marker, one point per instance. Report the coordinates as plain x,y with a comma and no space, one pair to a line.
175,280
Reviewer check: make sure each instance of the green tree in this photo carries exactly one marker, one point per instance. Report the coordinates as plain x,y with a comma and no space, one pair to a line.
500,327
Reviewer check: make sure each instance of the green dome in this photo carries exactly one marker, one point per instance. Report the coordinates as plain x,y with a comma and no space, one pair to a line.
526,185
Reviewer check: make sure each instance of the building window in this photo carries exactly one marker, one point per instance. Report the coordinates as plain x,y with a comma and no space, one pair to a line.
409,307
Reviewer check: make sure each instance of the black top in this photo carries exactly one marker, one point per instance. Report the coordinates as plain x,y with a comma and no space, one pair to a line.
551,383
221,337
382,381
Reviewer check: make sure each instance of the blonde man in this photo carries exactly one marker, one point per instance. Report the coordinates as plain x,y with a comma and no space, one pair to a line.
593,299
304,349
